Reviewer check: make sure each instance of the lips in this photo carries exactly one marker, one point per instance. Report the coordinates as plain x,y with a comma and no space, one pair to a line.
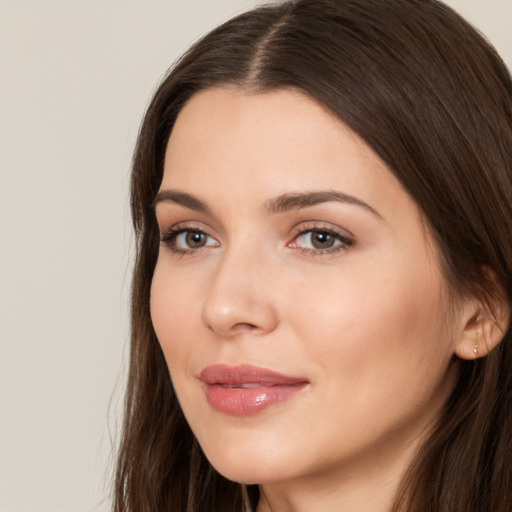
246,390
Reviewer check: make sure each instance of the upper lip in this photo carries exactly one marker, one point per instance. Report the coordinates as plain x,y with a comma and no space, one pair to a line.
246,374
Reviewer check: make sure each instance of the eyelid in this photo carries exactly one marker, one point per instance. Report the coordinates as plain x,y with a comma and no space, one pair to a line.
344,236
314,225
168,237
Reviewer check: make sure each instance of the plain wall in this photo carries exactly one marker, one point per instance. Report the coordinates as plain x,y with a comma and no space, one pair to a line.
75,77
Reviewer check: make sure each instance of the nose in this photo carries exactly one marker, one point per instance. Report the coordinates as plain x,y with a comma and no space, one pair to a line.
239,299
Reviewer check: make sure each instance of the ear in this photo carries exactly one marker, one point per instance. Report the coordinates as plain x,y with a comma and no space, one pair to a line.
483,326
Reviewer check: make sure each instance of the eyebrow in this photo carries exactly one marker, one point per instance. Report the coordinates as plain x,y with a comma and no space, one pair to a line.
280,204
297,201
181,198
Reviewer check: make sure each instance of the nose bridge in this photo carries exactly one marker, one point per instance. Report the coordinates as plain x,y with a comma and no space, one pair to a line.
239,298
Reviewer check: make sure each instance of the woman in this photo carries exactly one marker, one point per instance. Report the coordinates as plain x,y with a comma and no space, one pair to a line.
322,198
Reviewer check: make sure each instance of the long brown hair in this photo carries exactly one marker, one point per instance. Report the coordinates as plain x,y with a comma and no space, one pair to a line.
434,101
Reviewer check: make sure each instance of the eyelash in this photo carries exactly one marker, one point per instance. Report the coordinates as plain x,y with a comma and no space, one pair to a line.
345,241
168,239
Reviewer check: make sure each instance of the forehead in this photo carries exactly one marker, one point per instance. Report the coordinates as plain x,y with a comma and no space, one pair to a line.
231,146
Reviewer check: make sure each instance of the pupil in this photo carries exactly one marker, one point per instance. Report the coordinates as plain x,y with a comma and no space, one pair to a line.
195,239
322,240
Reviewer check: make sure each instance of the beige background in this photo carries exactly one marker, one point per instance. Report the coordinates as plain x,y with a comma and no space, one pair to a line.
74,79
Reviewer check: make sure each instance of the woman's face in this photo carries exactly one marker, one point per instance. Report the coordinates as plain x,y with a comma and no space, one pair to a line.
297,296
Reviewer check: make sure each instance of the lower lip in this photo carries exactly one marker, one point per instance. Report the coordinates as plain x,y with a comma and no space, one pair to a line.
249,401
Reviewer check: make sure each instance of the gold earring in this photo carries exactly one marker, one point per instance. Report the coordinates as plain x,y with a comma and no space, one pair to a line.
475,349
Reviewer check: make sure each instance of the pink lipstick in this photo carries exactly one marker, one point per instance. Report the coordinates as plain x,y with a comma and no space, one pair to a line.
246,390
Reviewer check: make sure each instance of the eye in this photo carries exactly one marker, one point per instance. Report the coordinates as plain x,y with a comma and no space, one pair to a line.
321,241
317,240
183,240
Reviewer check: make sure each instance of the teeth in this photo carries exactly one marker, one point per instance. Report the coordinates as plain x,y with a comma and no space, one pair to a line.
247,385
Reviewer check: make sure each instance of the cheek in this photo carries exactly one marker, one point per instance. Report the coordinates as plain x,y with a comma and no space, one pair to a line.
382,327
174,307
381,355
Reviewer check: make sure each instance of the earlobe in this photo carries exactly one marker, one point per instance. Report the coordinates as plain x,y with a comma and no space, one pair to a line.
484,329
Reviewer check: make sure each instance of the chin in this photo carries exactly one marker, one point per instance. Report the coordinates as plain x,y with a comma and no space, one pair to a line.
255,464
255,475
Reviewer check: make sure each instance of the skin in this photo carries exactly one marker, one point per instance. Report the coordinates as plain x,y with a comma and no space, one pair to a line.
369,324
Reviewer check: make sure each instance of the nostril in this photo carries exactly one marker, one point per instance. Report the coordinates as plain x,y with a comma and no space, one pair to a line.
237,328
244,327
